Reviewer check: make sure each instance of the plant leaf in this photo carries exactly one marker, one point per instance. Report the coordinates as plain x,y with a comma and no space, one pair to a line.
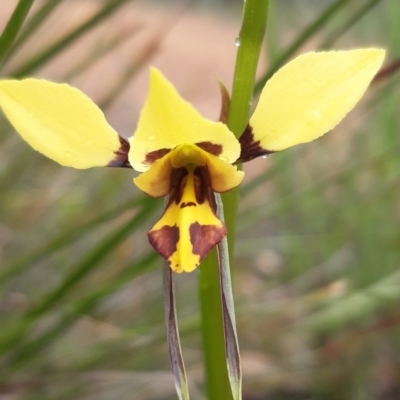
228,313
174,345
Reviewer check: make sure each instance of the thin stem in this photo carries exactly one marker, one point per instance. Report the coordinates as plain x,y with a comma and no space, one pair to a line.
249,46
217,380
250,41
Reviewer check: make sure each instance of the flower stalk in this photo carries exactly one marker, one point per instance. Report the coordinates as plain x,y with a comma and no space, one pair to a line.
223,384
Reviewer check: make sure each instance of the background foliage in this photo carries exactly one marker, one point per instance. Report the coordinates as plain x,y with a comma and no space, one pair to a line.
316,272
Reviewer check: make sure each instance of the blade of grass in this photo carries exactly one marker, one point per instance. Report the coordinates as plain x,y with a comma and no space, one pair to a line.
48,53
347,24
101,51
255,214
32,24
27,351
65,239
88,264
387,71
150,49
302,38
13,27
385,292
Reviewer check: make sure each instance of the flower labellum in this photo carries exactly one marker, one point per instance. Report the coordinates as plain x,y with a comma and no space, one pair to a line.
181,154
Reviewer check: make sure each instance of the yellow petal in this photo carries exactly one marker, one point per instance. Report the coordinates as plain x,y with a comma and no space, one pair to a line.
156,181
167,121
188,229
223,176
61,122
310,95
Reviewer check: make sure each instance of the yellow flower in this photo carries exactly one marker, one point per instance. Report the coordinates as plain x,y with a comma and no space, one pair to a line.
179,153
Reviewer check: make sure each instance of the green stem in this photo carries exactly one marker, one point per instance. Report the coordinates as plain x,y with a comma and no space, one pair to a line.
13,26
250,41
249,46
217,380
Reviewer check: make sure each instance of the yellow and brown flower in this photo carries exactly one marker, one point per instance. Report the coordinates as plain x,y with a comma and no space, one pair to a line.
179,153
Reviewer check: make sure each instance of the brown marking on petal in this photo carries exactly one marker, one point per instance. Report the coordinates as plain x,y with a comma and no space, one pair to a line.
177,184
164,240
250,148
188,204
155,155
205,237
121,155
212,148
201,184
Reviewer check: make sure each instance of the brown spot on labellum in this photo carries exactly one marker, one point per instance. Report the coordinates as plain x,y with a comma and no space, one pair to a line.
188,204
205,237
201,184
121,155
177,184
212,148
164,240
249,148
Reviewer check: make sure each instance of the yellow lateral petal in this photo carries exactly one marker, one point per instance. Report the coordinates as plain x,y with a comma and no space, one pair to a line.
156,181
167,121
60,122
223,176
188,229
310,95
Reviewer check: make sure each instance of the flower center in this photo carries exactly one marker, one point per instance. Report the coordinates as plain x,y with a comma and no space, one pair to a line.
189,228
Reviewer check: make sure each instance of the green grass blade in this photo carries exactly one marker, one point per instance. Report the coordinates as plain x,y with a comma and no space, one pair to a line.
104,248
32,24
87,265
65,239
27,351
347,24
13,27
37,61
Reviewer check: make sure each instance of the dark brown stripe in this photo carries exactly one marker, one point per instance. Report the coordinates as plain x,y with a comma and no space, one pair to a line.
201,184
177,184
121,155
155,155
188,204
249,148
215,149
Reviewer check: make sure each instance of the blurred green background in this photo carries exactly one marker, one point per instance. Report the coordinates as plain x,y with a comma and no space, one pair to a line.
317,266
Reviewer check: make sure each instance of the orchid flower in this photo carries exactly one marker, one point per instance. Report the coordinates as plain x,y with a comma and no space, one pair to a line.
181,154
